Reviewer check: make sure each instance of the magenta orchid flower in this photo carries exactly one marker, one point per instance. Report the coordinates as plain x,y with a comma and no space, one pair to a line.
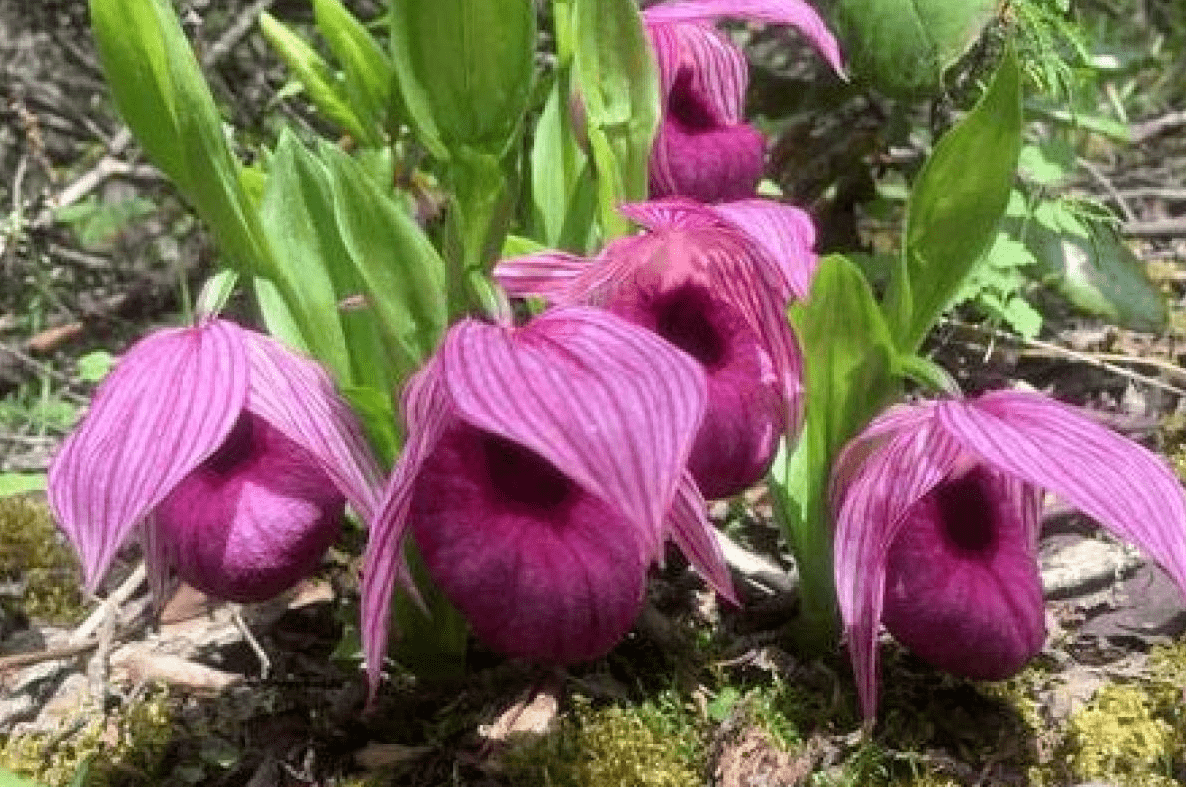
703,148
938,520
714,281
230,456
544,468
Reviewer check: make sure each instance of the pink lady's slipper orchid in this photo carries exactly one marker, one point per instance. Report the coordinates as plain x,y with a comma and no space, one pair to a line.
938,512
544,468
703,148
714,281
231,457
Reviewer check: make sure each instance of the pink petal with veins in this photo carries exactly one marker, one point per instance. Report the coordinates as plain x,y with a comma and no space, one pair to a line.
169,403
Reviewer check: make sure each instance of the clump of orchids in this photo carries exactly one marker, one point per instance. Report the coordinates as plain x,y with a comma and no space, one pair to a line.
547,460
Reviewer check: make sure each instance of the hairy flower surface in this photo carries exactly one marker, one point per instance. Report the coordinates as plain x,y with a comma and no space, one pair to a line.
229,455
938,521
543,470
715,282
703,148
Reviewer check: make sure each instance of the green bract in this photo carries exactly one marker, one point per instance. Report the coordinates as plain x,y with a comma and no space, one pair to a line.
464,69
619,86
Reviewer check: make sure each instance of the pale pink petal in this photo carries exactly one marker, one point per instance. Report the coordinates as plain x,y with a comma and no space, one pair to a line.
1126,488
427,411
670,213
168,405
692,532
796,13
889,484
548,275
898,418
784,231
297,397
612,406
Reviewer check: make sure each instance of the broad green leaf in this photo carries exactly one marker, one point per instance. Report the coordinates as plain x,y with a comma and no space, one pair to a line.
368,71
321,85
403,276
464,69
956,204
297,213
16,484
903,47
559,170
619,86
375,409
850,373
159,91
1100,275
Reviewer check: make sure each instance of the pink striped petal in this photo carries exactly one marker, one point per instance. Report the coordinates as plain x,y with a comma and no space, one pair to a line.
894,478
784,231
693,534
427,412
715,69
1126,488
297,397
795,13
547,274
168,405
612,406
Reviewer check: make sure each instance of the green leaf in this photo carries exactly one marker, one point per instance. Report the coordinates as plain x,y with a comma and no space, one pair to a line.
159,91
298,215
95,365
956,204
464,69
561,186
903,47
850,373
16,484
401,272
619,86
321,85
370,77
1100,275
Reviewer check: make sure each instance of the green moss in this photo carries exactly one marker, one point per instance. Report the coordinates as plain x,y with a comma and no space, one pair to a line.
1124,736
33,553
124,748
655,744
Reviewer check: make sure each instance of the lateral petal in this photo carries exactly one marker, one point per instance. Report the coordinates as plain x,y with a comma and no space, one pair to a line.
692,532
297,397
893,478
1125,487
784,231
168,405
548,274
611,405
427,412
796,13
